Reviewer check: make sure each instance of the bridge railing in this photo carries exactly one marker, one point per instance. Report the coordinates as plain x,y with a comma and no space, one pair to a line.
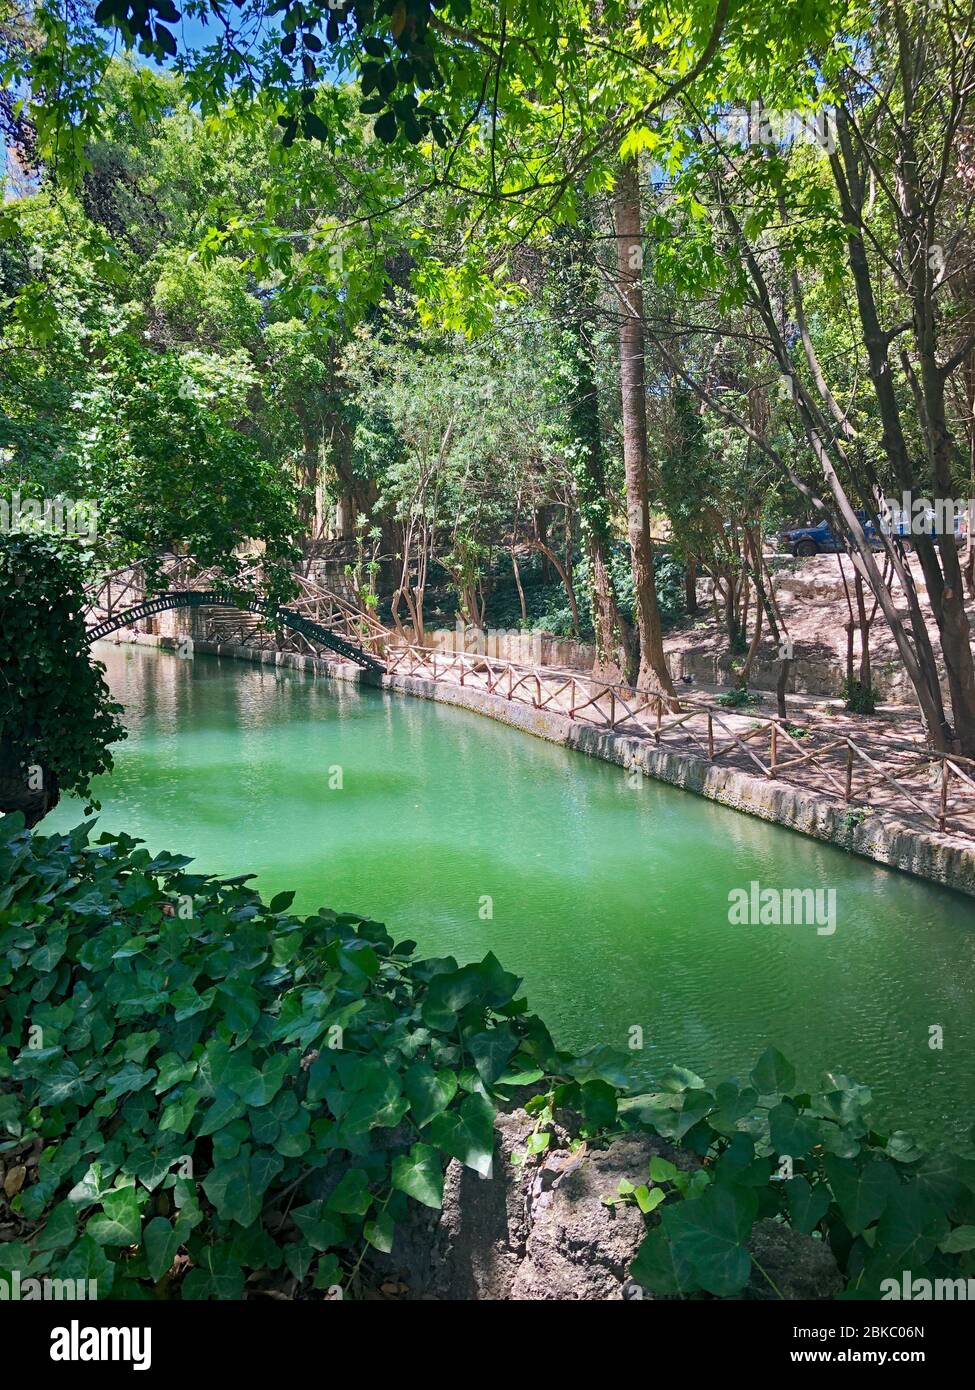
125,589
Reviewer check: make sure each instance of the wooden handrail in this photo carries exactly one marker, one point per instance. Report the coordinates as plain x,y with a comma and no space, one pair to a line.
587,699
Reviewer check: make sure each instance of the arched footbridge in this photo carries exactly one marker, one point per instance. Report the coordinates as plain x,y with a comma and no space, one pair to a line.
318,618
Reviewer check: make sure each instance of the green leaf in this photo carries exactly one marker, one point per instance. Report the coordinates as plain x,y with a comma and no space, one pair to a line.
236,1188
428,1091
259,1088
298,1257
420,1175
59,1228
789,1133
467,1133
380,1232
711,1232
216,1276
773,1074
861,1189
352,1193
120,1220
646,1199
321,1228
492,1050
959,1240
662,1170
908,1232
598,1100
807,1205
226,1107
660,1267
160,1242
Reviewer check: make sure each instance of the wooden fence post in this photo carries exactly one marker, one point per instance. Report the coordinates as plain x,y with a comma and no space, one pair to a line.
710,737
773,746
848,794
943,811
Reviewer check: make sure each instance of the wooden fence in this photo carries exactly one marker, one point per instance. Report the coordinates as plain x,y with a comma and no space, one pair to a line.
892,775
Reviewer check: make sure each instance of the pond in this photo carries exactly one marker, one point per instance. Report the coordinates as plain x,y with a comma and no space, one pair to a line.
613,898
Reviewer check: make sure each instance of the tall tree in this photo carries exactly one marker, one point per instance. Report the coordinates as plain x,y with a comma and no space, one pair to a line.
653,671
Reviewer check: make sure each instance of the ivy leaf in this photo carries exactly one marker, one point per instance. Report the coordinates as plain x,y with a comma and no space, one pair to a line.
237,1188
87,1260
59,1228
420,1175
120,1220
216,1276
908,1232
710,1233
958,1241
661,1267
352,1195
861,1189
646,1199
467,1133
381,1232
598,1101
807,1205
773,1073
320,1227
429,1091
226,1107
789,1133
492,1050
160,1243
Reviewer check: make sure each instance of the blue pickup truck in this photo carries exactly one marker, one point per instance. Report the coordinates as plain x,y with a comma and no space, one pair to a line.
821,539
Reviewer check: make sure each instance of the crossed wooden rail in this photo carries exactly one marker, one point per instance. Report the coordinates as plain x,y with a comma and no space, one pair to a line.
703,728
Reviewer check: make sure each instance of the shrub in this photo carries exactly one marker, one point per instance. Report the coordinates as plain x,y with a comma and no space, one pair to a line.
812,1162
211,1073
56,714
860,698
740,697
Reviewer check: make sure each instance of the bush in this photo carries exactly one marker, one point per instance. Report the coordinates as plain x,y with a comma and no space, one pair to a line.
740,697
208,1072
56,713
188,1071
860,699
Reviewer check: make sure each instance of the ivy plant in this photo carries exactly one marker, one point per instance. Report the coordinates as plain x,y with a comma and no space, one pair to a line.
214,1077
812,1162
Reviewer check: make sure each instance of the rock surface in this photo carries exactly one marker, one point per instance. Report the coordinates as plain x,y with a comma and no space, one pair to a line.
537,1229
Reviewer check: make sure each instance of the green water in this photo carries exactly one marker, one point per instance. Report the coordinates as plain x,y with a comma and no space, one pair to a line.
611,901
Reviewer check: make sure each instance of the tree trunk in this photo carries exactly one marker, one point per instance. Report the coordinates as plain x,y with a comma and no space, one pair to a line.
690,588
614,643
653,673
515,570
566,579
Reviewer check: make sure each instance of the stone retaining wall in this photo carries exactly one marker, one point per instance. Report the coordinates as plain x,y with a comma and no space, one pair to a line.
944,859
